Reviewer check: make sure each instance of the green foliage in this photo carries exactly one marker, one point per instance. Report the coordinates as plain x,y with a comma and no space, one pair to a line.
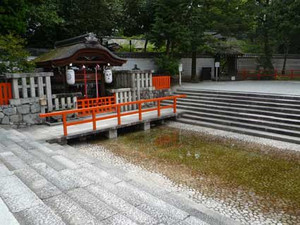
167,65
13,16
13,56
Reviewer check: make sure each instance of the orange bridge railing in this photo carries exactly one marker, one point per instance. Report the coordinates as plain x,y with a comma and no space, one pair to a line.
118,114
161,82
94,102
5,93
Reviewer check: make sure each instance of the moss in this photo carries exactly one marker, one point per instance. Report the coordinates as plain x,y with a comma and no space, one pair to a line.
232,165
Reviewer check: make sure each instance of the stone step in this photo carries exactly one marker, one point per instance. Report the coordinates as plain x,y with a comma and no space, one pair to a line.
12,162
217,99
130,195
238,110
240,130
48,160
243,98
92,204
249,125
220,102
6,216
237,94
122,206
64,180
238,118
37,183
244,115
16,195
70,211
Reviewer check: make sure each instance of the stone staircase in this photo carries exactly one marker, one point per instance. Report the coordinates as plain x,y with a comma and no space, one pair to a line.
263,115
42,183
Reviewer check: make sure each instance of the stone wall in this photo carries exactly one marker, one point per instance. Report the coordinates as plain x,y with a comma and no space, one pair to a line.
24,114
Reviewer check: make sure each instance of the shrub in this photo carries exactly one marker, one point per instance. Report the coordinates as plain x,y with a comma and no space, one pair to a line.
167,65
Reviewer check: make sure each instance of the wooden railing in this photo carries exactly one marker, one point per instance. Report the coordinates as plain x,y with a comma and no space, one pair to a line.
258,74
88,103
118,115
161,82
5,93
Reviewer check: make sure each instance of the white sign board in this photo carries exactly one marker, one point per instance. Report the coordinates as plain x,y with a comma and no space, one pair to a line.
217,64
180,67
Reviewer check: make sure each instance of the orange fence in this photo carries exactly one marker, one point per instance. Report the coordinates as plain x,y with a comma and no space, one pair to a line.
254,74
94,102
5,93
118,115
161,82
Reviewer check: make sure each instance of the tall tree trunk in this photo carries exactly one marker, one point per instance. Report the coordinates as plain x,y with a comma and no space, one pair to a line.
145,46
168,47
194,66
286,52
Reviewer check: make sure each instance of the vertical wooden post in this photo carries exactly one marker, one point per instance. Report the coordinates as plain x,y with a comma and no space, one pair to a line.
175,105
138,86
140,111
24,88
32,87
119,114
15,88
49,94
158,108
150,79
40,87
64,117
94,120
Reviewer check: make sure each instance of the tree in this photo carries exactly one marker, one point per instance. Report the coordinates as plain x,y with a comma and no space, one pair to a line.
169,27
13,16
287,22
13,56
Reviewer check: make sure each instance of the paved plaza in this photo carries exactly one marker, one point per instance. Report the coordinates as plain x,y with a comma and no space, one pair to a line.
268,87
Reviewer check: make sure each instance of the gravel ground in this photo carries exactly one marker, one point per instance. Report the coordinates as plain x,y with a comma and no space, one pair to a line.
242,137
244,214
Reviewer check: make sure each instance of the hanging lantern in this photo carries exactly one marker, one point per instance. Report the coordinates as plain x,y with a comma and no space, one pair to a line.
70,76
108,76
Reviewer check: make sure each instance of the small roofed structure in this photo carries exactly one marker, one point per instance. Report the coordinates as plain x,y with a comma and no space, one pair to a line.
86,56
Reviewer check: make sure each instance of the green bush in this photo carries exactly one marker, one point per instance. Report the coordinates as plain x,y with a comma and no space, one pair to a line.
167,65
13,56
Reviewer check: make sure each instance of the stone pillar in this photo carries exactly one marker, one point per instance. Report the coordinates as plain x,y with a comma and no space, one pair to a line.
112,134
146,126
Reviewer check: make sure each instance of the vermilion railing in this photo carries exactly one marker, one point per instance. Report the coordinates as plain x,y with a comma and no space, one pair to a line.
5,93
118,115
161,82
289,74
94,102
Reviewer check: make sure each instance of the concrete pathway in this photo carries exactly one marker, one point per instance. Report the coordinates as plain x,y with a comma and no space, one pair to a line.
42,183
274,87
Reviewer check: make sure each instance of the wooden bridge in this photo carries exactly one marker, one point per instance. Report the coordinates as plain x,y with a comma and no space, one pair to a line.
149,110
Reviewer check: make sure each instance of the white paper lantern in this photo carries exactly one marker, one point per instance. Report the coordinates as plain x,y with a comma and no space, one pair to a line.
108,76
70,77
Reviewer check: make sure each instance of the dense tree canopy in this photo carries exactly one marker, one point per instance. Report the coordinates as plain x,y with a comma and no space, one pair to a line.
173,26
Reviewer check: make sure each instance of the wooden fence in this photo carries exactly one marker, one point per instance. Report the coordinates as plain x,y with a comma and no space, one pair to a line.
5,93
95,102
276,75
31,85
161,82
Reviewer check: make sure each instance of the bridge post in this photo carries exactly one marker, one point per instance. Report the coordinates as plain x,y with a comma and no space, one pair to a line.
146,126
112,134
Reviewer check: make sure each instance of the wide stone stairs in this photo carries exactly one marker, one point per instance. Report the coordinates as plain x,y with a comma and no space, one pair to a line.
263,115
42,183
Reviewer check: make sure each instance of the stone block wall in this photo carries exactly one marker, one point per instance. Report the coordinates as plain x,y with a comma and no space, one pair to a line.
24,114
